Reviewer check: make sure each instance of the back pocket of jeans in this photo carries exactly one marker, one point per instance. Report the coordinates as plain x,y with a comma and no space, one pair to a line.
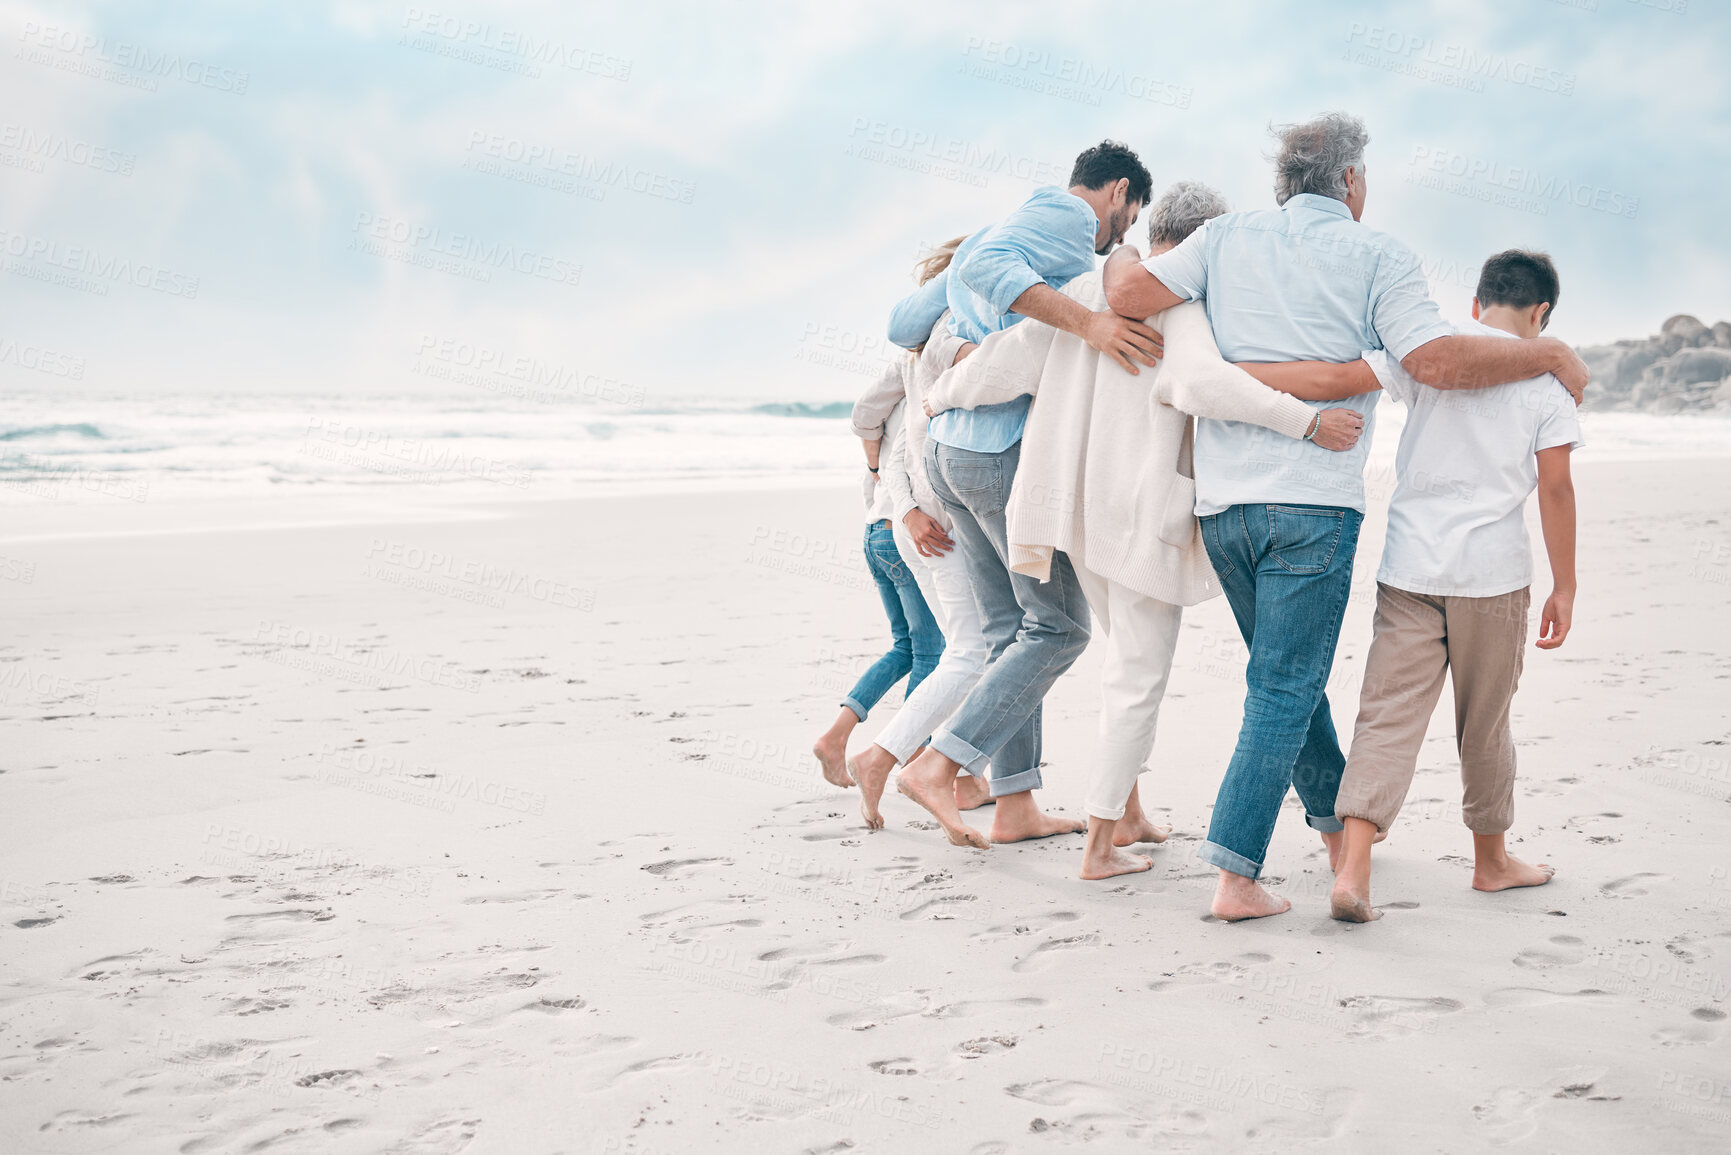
1178,523
972,476
1301,539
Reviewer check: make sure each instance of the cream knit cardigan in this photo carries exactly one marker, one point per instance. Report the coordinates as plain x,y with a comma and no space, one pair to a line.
1105,472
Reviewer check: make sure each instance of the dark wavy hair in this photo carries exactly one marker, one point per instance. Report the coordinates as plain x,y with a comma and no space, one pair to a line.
1108,162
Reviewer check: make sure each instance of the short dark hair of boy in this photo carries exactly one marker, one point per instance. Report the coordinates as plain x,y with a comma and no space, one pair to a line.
1109,162
1520,279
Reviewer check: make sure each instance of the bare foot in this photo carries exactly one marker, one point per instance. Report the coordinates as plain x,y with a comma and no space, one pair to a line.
1334,841
1510,872
1114,862
1019,818
1238,898
1130,833
871,770
832,756
971,792
1348,904
930,780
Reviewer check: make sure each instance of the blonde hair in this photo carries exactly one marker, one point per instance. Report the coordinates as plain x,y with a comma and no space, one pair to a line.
931,265
937,260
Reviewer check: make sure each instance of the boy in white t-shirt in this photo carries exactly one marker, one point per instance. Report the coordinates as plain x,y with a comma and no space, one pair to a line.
1452,592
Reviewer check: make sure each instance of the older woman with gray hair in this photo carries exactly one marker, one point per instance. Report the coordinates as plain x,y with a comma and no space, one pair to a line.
1302,282
1105,478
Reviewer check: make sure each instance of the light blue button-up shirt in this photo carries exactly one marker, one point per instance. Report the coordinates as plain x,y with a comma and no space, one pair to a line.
1051,239
1304,282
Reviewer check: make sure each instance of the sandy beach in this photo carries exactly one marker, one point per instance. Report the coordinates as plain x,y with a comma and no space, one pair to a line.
491,828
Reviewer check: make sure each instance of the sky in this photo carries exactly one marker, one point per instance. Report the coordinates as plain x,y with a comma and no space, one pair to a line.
654,201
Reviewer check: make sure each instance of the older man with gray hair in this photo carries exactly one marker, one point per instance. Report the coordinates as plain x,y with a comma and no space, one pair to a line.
1280,519
1104,480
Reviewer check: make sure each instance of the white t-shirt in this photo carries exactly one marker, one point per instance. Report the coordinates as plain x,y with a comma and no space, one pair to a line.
1464,470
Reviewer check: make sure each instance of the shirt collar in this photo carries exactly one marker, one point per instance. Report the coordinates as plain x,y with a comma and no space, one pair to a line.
1318,203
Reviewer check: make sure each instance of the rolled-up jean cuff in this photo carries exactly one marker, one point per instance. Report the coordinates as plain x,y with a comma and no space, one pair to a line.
1015,783
1326,823
859,711
1217,855
961,753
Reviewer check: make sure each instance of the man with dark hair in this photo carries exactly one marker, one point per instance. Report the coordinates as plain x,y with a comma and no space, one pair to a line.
1036,630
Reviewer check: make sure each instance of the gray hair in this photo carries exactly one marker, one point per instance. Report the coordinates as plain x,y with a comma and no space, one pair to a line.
1315,155
1181,210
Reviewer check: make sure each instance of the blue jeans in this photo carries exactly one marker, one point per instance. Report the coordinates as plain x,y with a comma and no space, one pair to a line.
1287,571
919,642
1035,630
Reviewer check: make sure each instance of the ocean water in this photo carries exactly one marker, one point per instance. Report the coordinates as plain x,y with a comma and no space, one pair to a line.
132,448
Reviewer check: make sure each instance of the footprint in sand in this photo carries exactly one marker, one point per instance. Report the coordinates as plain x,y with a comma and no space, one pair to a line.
975,1008
1029,924
1037,958
682,867
1556,951
249,1006
1634,886
689,911
1387,1017
885,1010
1535,997
34,923
943,908
294,914
509,896
1705,1029
1202,974
986,1045
1510,1116
903,1065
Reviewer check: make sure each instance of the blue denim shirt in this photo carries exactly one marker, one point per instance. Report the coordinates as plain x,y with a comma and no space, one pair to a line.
1051,239
1304,282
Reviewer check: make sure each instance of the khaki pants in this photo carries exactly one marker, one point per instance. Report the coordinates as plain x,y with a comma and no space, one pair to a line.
1418,638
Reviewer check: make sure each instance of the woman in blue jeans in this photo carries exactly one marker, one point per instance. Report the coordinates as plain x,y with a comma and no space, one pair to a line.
918,641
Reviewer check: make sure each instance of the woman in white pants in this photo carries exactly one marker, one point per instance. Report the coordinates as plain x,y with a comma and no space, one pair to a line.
1105,476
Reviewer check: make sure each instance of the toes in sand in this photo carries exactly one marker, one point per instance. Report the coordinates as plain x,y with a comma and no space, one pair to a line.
939,798
1114,864
1510,873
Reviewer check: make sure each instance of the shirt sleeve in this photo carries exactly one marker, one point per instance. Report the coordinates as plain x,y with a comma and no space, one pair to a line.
1034,241
1559,423
912,319
1401,311
893,465
1184,269
874,405
1390,374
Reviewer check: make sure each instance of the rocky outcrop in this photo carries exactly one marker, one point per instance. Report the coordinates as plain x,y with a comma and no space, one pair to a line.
1685,369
